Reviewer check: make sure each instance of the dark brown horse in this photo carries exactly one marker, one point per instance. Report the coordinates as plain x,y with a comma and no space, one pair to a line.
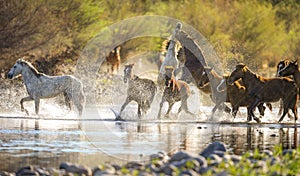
139,90
267,89
280,66
113,60
174,91
235,94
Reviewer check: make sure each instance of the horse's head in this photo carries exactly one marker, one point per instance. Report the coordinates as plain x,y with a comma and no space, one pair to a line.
128,72
238,73
16,69
289,69
169,75
205,78
281,65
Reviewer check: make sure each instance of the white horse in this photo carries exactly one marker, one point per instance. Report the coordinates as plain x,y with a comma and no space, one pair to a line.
40,86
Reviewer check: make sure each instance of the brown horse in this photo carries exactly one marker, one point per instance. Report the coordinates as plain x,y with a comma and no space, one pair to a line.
235,94
267,89
113,60
175,90
280,66
139,90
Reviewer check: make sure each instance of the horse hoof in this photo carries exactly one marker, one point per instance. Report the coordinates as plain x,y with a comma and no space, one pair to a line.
257,120
119,119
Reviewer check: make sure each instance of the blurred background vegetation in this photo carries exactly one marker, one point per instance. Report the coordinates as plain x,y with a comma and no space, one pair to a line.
53,32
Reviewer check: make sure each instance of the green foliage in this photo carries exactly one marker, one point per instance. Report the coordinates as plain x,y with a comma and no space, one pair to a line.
255,32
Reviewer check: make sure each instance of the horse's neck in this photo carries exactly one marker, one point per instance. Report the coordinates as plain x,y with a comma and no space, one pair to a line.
251,79
215,78
133,79
296,76
29,77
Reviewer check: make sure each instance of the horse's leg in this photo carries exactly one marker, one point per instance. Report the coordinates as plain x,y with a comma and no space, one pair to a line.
280,107
37,105
261,108
67,100
234,110
139,111
184,106
128,100
252,108
22,101
160,106
169,108
285,110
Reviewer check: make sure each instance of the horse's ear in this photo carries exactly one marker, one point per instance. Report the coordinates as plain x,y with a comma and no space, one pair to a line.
240,66
207,68
295,62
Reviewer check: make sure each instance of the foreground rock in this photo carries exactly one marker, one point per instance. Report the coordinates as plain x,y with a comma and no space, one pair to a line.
213,160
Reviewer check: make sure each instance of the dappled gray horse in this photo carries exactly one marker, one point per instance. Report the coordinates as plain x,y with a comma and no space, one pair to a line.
40,86
139,90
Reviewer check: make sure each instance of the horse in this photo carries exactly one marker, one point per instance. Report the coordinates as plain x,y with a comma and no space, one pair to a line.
267,89
171,55
174,91
292,68
139,90
41,86
113,60
235,94
280,66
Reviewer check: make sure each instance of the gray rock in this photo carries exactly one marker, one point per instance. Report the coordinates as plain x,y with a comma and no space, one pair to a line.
268,153
76,169
168,169
212,148
223,173
201,160
133,165
182,155
4,173
188,173
27,171
287,152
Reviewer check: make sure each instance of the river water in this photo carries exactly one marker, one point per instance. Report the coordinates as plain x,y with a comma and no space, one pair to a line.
98,139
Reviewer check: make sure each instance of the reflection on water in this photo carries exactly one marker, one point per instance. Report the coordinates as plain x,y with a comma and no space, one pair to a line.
99,141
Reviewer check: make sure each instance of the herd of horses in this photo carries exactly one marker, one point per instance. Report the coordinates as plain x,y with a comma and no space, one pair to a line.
242,88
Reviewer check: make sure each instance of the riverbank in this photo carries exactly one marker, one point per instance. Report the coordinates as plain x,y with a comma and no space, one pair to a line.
215,159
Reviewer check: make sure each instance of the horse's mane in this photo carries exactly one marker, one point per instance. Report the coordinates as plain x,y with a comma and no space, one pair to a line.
31,67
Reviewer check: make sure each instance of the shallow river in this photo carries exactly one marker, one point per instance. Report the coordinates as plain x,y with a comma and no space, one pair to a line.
97,139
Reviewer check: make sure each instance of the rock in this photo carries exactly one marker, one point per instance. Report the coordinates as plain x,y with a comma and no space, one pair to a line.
201,160
168,169
216,159
212,148
32,170
104,170
182,155
133,165
4,173
223,173
268,153
76,169
287,152
188,173
27,171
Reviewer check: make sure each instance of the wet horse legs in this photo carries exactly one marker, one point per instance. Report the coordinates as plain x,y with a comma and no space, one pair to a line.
22,101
